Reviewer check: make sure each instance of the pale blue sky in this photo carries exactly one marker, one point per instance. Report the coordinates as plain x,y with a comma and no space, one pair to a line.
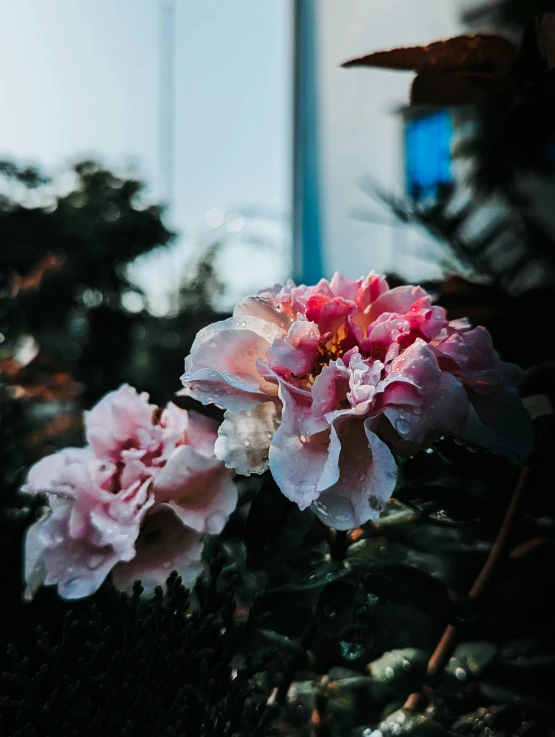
80,77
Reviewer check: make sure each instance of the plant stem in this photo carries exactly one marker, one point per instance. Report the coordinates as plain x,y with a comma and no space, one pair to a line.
339,545
448,642
338,542
291,669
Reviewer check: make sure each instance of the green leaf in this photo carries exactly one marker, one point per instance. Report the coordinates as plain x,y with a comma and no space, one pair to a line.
335,610
282,641
409,724
403,584
276,528
399,670
322,576
470,660
500,695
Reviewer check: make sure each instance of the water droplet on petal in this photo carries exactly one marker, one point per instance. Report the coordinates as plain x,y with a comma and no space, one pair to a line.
321,508
94,561
246,443
329,610
215,523
402,426
243,324
389,672
303,439
461,674
59,539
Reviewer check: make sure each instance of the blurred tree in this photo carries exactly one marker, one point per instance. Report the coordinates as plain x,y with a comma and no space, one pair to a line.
76,246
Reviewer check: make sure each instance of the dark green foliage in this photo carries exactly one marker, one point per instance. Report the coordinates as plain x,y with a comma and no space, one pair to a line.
130,666
276,528
354,618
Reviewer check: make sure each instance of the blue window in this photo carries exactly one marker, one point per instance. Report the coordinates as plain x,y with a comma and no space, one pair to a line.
427,153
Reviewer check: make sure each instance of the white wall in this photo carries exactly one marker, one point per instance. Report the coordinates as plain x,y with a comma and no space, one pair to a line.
360,133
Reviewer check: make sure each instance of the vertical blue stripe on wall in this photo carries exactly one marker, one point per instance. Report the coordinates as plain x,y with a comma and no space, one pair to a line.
308,265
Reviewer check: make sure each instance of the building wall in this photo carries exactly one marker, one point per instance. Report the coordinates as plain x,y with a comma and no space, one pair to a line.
360,131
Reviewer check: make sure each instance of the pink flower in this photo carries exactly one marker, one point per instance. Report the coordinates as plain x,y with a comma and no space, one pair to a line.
322,383
135,502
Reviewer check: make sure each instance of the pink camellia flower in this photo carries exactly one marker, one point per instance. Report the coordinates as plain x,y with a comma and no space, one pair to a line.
321,383
136,501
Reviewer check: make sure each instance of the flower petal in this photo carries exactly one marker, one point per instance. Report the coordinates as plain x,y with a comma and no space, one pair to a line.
296,352
117,418
244,438
501,423
443,410
222,365
77,567
302,464
398,300
201,433
367,477
263,309
198,489
164,544
45,475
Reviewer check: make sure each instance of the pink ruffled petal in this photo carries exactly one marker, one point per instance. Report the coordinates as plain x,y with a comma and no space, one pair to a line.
198,489
444,410
329,314
398,300
222,366
265,310
45,475
367,478
372,287
117,419
77,568
471,356
328,391
501,423
296,352
417,365
343,287
164,544
428,321
390,330
301,294
303,465
201,433
363,382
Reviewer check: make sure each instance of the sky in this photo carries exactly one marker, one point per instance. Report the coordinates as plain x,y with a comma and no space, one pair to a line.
80,78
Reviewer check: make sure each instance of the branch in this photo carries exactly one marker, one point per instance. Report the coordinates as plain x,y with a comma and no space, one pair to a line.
448,642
